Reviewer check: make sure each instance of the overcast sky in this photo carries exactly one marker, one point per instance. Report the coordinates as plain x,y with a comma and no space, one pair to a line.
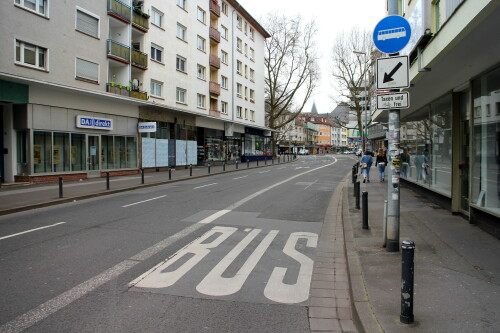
332,17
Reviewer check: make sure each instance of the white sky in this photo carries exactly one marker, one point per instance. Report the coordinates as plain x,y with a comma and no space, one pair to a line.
332,17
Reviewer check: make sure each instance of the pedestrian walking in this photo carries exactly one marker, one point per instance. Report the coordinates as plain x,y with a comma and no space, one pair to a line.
366,164
381,162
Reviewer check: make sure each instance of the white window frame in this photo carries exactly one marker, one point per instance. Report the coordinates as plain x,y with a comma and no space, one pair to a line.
246,114
183,61
180,95
201,101
183,30
239,44
224,82
203,18
239,88
224,57
252,75
153,56
86,12
239,111
156,13
181,4
21,3
201,72
252,95
223,107
224,7
252,54
252,33
157,85
203,41
239,67
252,115
225,32
239,22
86,78
21,61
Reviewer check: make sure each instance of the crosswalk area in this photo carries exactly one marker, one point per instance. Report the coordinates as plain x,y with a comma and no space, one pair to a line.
270,262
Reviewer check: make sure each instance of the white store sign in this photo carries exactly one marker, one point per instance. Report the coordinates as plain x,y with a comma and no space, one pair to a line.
147,127
393,101
94,123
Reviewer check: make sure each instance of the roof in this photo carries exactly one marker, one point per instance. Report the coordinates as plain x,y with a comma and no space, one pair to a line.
249,18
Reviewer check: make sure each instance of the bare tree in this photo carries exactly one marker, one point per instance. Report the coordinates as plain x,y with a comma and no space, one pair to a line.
351,61
291,68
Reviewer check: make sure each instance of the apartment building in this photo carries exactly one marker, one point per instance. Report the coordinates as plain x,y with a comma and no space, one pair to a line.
450,135
93,86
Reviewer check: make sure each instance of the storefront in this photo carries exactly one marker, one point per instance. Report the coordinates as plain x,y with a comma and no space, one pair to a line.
256,146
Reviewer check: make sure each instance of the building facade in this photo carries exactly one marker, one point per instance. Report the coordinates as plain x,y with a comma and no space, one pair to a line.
451,133
94,86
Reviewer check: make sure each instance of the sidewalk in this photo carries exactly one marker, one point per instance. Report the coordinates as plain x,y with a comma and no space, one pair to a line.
457,267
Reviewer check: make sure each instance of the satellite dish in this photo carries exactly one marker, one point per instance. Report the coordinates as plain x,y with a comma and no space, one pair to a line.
135,84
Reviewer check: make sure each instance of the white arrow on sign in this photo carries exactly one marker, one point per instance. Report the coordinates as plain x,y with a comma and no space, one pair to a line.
393,101
393,73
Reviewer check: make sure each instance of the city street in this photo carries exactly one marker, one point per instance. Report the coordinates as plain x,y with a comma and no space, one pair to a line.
233,252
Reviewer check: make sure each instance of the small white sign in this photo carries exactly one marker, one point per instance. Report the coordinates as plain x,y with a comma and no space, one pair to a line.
393,101
393,73
147,127
94,123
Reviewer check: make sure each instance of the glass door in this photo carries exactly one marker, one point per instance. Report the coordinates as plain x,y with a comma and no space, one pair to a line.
464,151
93,152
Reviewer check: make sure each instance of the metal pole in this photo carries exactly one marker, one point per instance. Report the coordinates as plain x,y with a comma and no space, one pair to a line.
169,173
190,170
142,175
224,166
353,174
272,161
248,164
257,162
107,180
208,167
60,186
357,189
385,223
265,161
365,210
393,190
407,273
236,165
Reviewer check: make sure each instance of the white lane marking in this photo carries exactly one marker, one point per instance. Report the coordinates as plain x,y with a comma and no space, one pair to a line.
55,304
204,186
31,230
143,201
241,177
311,184
214,216
264,171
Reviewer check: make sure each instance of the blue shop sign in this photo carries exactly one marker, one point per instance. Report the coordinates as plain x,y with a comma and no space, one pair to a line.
94,123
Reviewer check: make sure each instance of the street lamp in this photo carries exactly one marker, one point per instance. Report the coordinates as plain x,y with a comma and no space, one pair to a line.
365,104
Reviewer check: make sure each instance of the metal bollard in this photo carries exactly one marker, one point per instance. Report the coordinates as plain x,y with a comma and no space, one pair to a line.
272,161
169,174
365,209
357,189
385,224
208,167
236,165
257,162
353,174
142,175
224,166
407,271
190,170
248,164
60,186
107,180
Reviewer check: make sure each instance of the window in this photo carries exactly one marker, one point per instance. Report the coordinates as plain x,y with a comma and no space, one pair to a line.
200,100
238,44
224,82
252,75
252,33
224,57
201,43
246,28
246,93
38,6
201,15
225,32
224,7
246,113
238,111
180,95
252,95
156,53
31,55
252,54
87,70
252,115
156,17
201,72
239,88
239,66
180,64
156,88
181,32
239,21
181,3
224,108
87,23
246,71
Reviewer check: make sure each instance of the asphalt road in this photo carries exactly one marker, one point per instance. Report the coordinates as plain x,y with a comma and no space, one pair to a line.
227,253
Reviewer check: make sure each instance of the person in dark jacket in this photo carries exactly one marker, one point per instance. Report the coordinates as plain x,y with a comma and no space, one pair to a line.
381,162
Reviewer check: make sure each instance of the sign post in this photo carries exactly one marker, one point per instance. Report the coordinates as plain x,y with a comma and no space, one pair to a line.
390,36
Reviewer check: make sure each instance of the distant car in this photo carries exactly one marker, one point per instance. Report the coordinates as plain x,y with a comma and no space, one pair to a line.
359,152
347,152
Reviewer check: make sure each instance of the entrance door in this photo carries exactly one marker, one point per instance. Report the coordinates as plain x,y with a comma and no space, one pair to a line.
1,146
93,156
464,151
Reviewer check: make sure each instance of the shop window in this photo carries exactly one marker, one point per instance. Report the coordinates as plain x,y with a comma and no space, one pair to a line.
60,152
78,157
107,155
42,152
131,152
22,153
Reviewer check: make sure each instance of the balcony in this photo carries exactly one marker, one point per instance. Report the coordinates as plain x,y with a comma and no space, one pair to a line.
140,20
139,94
117,89
214,34
214,61
118,51
214,88
139,59
119,10
215,8
214,113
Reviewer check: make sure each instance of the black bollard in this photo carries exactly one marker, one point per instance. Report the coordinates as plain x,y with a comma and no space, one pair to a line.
272,161
142,175
190,170
354,174
107,180
236,165
257,162
60,186
248,164
265,161
208,167
169,174
407,272
224,166
357,189
365,210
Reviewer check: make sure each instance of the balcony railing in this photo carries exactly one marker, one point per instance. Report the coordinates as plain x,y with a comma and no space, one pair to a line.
214,113
214,88
214,7
139,94
214,61
140,20
139,59
214,34
118,51
119,10
117,89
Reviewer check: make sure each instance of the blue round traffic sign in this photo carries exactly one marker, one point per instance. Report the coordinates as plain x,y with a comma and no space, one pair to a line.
391,34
